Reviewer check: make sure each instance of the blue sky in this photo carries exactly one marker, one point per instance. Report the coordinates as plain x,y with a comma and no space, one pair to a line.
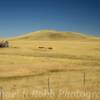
22,16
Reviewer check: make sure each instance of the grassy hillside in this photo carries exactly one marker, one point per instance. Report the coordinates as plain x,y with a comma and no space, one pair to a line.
24,67
52,35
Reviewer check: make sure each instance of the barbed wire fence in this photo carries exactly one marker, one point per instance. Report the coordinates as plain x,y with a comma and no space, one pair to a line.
19,95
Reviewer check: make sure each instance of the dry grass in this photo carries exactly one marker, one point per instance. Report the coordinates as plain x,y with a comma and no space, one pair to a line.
24,66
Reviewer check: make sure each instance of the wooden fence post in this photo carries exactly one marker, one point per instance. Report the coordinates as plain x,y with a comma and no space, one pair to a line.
84,80
48,85
84,84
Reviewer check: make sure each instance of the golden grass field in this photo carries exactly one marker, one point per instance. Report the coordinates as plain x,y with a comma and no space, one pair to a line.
24,67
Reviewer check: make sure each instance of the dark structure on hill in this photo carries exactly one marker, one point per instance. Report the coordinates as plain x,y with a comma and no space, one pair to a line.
4,44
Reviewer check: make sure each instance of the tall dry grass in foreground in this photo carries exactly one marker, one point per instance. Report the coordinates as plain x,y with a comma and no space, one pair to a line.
30,73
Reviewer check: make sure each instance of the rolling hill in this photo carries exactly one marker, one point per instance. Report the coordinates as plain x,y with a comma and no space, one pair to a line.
52,35
73,64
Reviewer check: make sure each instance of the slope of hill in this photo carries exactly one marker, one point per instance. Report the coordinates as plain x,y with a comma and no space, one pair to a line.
27,71
52,35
